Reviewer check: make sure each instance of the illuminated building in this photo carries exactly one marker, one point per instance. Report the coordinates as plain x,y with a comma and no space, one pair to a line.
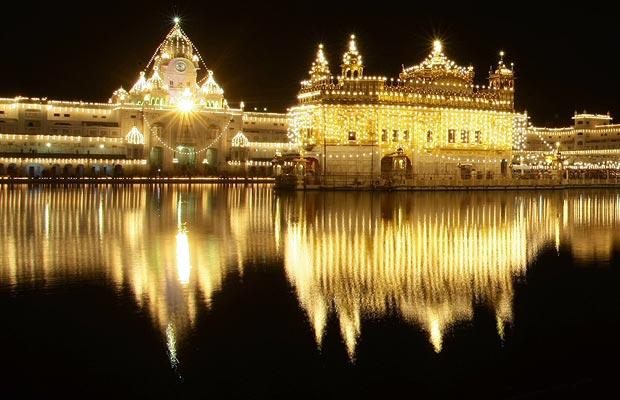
432,120
174,120
593,142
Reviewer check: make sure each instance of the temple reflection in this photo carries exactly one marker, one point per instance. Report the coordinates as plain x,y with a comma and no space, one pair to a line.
429,257
172,246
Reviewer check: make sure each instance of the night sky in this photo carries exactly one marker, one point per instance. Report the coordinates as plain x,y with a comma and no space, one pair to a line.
565,58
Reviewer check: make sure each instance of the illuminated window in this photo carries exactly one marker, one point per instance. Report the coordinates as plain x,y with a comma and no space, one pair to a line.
351,135
451,135
478,137
429,136
464,136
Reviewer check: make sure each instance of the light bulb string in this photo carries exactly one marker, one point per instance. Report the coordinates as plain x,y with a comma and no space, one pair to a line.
149,127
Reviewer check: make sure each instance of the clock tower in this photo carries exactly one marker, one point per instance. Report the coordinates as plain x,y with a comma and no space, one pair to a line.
179,74
178,63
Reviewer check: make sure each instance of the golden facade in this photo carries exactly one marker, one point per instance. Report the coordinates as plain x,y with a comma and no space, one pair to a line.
433,115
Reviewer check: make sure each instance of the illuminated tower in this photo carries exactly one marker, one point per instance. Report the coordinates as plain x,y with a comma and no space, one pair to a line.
320,67
177,61
503,80
352,65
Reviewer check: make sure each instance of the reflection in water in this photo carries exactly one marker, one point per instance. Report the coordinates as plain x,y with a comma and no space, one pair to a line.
427,258
172,245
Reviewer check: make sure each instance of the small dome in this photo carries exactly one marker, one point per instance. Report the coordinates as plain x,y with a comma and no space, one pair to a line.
439,68
210,87
177,44
155,82
140,85
120,95
240,140
352,64
135,136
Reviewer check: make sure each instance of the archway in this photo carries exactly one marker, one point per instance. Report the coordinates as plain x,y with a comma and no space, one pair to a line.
396,165
504,168
12,170
34,170
118,170
2,171
79,171
55,171
68,170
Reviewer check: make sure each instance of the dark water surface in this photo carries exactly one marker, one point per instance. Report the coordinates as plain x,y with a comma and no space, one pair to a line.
228,292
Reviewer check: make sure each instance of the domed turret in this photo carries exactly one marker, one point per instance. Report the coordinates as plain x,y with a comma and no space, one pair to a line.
212,94
173,80
140,86
135,136
502,80
320,67
503,76
176,44
437,68
155,82
352,65
119,96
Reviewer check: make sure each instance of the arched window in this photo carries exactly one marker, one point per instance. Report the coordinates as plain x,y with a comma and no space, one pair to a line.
429,136
451,135
464,136
478,137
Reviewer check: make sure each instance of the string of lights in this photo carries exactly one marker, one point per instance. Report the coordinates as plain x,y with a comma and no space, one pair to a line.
149,128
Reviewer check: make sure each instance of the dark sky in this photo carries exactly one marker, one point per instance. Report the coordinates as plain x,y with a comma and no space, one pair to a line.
565,57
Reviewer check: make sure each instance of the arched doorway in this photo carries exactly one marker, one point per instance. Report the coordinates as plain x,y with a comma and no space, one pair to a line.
504,168
79,171
2,170
34,170
118,170
12,170
68,170
55,171
396,166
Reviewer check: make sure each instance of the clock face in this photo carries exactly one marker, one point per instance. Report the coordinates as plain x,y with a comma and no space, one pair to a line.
180,66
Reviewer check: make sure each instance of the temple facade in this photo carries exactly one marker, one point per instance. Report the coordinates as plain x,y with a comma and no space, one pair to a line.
174,120
432,121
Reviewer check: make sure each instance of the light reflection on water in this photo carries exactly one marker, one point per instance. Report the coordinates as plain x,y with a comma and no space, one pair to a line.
427,258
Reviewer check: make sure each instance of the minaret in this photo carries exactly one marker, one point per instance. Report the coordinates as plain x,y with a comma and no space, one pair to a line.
352,65
320,67
503,80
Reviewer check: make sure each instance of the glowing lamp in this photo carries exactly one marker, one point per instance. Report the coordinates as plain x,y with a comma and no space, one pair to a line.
437,47
185,105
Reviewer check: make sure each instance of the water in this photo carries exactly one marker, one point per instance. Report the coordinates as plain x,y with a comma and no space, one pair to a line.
236,291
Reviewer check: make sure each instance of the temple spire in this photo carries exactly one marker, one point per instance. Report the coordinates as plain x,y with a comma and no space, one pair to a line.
320,66
352,65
